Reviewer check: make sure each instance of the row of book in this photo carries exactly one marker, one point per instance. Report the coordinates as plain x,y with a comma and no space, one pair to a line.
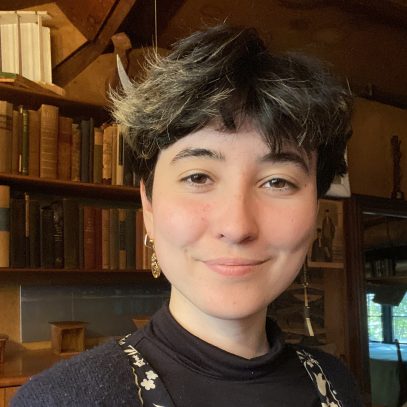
25,44
43,143
67,234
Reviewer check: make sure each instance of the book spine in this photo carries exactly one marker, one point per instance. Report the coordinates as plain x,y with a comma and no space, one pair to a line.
34,143
139,226
58,233
107,155
130,242
4,226
89,237
105,239
98,156
24,142
17,233
122,239
114,239
48,141
71,233
6,129
47,237
34,234
120,157
98,239
64,148
15,154
85,139
80,240
76,153
91,148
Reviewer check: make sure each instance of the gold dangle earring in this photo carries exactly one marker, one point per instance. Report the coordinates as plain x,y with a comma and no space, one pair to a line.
307,309
155,267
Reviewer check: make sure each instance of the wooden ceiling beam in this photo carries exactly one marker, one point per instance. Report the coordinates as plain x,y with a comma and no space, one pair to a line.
139,24
68,69
89,17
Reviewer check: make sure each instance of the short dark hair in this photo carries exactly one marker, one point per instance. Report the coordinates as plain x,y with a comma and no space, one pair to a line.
227,74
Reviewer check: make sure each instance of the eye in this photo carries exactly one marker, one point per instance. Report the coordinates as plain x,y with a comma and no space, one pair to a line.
279,184
197,178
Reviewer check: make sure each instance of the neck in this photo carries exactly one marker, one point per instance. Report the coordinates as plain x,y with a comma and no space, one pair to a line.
245,337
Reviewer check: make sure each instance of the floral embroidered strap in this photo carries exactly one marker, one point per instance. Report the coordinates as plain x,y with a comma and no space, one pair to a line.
326,392
151,392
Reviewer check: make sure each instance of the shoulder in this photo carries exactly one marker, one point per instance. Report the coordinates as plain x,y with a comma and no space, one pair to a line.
98,377
338,374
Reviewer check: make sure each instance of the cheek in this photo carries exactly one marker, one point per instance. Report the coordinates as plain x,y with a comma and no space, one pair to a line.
179,223
292,226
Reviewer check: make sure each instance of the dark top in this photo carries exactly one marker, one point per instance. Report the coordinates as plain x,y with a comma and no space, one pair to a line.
194,372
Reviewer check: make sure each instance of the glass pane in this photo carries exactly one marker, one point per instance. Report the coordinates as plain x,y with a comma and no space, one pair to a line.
400,321
375,328
373,309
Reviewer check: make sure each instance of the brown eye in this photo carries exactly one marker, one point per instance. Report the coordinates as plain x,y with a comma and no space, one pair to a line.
198,178
278,183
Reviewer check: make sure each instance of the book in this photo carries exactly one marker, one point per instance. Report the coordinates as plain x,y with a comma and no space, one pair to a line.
34,234
114,153
91,148
64,148
120,156
105,238
71,233
76,153
98,239
48,140
84,127
15,153
6,129
89,237
23,142
107,155
58,233
33,143
47,237
17,233
114,238
4,226
80,240
129,174
10,42
122,239
98,156
129,238
139,238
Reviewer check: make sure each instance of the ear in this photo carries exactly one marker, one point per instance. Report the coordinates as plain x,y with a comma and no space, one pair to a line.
147,211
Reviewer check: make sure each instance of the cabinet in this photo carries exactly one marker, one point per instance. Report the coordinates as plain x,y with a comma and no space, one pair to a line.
375,257
6,395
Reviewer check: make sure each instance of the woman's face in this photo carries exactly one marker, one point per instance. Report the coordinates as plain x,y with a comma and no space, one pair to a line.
231,221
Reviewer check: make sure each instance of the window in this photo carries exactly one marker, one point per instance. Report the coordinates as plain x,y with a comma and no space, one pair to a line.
385,322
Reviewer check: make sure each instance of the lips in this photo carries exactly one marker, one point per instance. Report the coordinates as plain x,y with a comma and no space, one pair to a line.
233,266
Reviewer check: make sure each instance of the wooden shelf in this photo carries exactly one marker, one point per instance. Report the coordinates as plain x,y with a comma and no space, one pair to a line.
80,189
399,280
33,99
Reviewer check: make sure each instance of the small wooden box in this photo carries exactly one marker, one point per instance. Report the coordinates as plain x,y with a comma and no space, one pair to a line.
68,337
3,340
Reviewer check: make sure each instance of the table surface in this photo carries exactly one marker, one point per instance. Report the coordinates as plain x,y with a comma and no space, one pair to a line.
19,365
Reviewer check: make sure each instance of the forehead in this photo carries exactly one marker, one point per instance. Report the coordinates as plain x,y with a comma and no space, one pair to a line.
247,140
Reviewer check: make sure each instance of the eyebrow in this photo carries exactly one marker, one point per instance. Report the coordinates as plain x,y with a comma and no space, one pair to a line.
197,152
282,157
287,157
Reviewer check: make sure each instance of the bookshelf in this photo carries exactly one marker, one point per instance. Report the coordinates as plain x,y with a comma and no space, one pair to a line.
98,195
69,188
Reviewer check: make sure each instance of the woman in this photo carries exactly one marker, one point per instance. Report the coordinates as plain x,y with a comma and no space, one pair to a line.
234,146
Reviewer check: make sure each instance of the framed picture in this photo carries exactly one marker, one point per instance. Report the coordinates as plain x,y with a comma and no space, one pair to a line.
326,250
340,186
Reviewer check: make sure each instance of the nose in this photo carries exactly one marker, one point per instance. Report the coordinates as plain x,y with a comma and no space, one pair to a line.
236,222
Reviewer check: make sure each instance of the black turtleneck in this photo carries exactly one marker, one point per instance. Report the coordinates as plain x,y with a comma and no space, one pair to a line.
198,374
